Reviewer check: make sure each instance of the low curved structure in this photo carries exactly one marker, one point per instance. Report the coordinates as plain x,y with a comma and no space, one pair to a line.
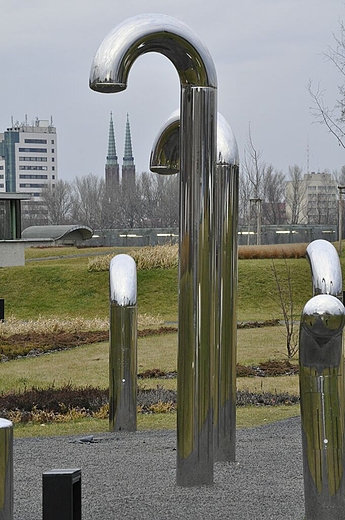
69,234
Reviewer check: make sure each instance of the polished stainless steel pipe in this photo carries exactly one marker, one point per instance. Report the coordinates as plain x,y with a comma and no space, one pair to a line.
325,268
165,159
6,470
198,79
322,407
123,344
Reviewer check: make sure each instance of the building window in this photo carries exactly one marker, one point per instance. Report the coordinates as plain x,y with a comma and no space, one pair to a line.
33,176
53,141
53,168
53,150
33,167
36,141
53,177
36,159
1,167
33,150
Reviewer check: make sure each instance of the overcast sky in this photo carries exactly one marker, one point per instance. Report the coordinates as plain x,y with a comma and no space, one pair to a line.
265,53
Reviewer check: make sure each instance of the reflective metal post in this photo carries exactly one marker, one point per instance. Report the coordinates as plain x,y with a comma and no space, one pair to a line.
165,159
6,470
321,361
123,344
109,73
322,407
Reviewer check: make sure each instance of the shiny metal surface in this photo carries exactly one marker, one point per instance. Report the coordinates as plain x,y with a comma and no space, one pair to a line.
6,470
194,65
164,159
151,32
123,344
325,268
322,407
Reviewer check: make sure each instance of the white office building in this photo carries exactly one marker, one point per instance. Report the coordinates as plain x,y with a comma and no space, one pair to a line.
28,158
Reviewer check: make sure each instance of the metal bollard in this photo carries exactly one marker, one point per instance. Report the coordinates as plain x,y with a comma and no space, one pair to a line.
123,344
322,407
6,470
165,159
62,494
321,361
198,81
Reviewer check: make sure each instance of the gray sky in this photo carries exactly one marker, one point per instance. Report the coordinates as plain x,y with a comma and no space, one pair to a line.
265,52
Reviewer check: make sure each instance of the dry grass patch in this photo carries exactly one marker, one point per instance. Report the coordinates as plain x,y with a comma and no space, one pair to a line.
149,257
272,251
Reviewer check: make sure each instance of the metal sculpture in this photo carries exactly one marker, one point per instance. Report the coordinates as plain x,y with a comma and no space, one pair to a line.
195,67
165,159
123,344
6,470
321,360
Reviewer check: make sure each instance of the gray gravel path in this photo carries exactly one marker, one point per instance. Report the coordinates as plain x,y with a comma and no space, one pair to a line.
132,476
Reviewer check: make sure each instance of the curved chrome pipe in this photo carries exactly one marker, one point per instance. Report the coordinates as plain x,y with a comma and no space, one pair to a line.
6,470
151,33
123,344
322,407
325,268
109,73
165,159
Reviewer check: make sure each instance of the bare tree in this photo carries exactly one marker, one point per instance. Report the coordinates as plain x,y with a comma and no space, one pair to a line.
274,194
88,195
58,202
296,196
333,118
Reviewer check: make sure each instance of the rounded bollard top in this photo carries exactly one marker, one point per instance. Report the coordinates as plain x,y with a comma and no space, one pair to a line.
324,315
4,423
123,280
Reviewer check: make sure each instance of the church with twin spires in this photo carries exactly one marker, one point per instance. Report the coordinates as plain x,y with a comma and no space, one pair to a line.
112,168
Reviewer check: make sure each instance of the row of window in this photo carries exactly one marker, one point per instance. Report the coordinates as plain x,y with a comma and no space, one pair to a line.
36,159
33,176
33,168
33,150
36,141
31,185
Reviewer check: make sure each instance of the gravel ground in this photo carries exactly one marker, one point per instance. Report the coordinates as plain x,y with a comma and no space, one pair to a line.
132,476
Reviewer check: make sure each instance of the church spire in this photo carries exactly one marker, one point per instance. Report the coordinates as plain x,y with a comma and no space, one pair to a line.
112,169
111,157
128,167
128,159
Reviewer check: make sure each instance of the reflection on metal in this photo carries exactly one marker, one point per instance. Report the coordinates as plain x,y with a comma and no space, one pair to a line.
325,268
109,73
165,159
6,470
123,344
321,359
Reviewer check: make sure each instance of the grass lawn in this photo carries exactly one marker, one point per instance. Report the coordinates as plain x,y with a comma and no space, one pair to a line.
62,286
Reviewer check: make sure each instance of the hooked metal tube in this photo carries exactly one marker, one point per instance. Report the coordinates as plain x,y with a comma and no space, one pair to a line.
123,344
165,159
325,268
322,407
6,470
109,73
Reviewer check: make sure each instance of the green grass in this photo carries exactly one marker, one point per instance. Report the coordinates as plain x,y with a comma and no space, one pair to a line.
63,287
246,417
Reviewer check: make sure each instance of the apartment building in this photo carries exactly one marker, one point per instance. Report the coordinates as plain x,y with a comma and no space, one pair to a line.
312,200
28,158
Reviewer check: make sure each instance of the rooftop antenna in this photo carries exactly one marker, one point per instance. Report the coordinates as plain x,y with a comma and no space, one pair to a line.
11,121
307,153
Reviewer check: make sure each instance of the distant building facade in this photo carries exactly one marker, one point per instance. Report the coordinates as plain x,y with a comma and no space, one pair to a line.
314,200
28,158
28,163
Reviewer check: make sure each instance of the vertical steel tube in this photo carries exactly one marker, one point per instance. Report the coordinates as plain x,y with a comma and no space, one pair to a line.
196,296
123,344
6,470
322,407
226,211
109,73
165,159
